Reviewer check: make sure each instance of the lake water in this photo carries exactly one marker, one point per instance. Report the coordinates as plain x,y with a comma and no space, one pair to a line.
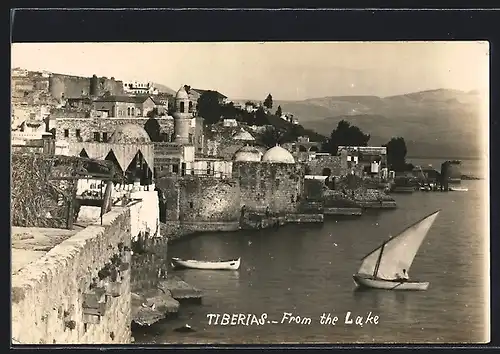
308,271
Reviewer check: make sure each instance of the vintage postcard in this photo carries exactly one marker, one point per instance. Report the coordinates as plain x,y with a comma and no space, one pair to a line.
244,192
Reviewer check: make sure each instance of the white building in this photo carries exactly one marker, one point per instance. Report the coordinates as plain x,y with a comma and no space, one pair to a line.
135,87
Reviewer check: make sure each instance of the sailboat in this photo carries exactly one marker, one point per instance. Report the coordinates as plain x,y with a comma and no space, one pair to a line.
388,265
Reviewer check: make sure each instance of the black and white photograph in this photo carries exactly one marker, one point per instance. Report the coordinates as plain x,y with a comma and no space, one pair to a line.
275,192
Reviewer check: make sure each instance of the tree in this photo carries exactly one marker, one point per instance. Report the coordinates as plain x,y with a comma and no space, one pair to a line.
268,102
153,113
261,117
345,135
272,136
209,107
228,110
152,127
279,112
396,154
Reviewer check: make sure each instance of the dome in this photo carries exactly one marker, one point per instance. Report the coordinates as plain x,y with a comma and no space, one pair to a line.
279,155
248,153
243,135
182,94
129,134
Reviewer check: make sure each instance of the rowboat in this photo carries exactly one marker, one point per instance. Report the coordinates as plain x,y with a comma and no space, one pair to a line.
388,265
458,189
231,264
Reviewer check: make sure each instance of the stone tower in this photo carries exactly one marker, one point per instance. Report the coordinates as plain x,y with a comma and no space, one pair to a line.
182,116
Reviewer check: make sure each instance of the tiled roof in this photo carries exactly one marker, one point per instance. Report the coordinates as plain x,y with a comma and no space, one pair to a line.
128,99
200,91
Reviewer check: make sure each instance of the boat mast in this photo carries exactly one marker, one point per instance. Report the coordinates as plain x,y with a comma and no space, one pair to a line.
377,265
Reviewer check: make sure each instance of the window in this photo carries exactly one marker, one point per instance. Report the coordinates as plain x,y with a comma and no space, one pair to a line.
97,136
132,110
77,133
181,107
190,106
104,137
175,168
138,112
66,133
128,111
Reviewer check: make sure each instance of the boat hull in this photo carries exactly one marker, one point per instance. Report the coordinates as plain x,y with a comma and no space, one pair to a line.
193,264
458,189
366,282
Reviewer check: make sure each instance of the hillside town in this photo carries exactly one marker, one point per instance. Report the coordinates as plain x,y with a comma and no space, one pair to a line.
127,156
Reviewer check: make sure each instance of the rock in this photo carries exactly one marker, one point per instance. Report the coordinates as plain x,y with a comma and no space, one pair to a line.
179,289
145,316
184,329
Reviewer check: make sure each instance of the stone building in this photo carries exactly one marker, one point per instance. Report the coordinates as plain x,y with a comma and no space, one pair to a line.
195,94
125,106
100,129
369,159
129,147
275,183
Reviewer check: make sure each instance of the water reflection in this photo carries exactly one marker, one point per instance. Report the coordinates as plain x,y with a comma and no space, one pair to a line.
210,280
394,305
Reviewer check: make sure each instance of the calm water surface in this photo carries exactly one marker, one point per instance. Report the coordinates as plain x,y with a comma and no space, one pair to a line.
308,271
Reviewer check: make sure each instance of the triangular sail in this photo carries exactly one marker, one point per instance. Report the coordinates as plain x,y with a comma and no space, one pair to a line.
399,251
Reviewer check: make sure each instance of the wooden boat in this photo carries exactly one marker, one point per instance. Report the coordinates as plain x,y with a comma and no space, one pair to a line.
388,265
231,264
458,189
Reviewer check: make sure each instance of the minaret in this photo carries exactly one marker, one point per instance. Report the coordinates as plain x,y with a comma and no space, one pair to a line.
182,116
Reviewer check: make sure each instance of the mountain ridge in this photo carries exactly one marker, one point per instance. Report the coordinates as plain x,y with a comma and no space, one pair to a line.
439,121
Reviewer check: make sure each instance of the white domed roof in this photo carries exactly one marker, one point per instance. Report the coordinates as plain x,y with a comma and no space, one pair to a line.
129,134
182,94
248,153
279,155
243,135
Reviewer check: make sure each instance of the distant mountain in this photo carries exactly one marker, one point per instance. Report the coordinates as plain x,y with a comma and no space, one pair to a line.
163,88
435,123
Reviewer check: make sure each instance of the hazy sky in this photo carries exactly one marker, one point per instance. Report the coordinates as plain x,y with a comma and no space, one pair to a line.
287,70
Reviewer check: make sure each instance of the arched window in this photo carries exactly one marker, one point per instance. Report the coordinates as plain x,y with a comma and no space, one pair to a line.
128,111
190,106
181,107
133,114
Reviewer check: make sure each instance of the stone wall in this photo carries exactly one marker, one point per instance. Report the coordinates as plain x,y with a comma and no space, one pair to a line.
51,297
335,164
88,126
69,86
174,230
275,185
100,85
209,199
76,86
199,199
149,264
313,189
169,198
